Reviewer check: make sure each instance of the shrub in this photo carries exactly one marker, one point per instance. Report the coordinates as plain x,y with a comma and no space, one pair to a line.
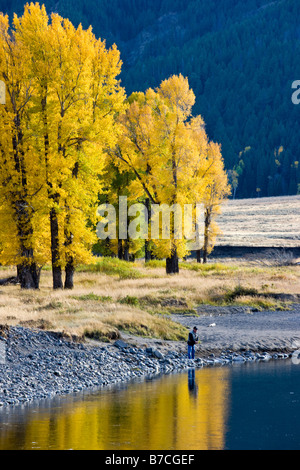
91,296
129,300
239,291
113,267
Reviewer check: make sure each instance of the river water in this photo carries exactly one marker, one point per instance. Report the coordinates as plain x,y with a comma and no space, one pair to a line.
247,406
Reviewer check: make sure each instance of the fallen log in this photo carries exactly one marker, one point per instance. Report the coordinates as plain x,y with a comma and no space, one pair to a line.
13,280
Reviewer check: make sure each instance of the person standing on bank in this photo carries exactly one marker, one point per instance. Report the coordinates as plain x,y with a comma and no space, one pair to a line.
193,339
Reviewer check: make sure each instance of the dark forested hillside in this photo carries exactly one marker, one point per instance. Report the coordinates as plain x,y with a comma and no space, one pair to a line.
241,57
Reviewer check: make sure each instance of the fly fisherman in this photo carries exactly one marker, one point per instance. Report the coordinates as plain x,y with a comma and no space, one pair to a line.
193,339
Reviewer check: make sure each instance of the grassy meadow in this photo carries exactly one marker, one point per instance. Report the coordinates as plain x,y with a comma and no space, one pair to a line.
111,296
268,222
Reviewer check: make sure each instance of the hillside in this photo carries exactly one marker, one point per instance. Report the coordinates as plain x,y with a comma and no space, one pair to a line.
240,57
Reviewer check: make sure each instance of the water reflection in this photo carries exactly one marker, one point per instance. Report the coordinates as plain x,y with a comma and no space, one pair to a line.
182,412
193,388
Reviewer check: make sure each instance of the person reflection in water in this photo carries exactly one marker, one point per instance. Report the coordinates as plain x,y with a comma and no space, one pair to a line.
193,389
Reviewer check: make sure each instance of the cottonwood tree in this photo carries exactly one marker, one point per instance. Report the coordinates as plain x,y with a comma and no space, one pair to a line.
21,183
73,100
167,150
216,192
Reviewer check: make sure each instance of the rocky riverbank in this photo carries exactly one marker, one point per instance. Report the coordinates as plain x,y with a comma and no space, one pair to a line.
37,364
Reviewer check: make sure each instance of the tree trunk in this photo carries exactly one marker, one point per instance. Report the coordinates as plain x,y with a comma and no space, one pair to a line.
70,266
29,276
147,251
57,277
28,272
70,270
126,250
56,268
198,253
172,264
123,250
120,249
206,235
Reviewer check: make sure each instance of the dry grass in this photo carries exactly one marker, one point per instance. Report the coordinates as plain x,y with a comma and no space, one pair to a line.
270,222
102,306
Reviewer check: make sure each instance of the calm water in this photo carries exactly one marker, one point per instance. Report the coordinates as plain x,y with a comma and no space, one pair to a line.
252,406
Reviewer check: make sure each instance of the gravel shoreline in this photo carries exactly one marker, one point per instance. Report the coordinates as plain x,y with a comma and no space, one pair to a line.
37,364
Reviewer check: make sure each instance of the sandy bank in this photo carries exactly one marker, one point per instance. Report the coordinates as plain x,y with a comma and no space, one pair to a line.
235,329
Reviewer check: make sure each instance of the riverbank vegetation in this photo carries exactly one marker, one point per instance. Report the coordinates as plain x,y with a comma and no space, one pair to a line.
107,302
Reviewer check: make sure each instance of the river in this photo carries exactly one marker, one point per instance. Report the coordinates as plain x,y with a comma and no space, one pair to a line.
244,406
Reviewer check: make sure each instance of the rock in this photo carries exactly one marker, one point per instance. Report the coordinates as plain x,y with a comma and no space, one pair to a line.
199,362
149,350
238,359
210,362
168,361
121,344
266,357
157,353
